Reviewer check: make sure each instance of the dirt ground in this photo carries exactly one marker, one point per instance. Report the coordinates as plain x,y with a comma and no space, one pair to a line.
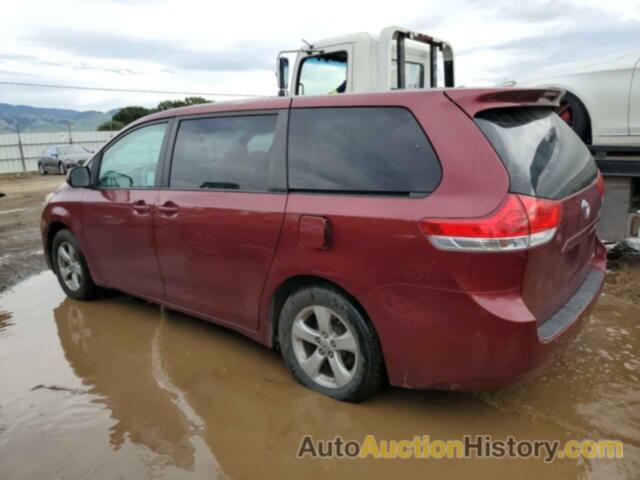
20,208
120,388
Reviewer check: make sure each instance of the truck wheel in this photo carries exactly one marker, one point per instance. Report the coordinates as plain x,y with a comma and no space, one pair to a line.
573,112
71,267
329,346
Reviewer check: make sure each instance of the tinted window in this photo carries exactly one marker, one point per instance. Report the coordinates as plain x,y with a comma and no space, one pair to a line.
229,152
381,150
322,74
543,155
131,161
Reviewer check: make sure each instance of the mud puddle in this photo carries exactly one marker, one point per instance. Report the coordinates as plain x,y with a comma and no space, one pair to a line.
118,388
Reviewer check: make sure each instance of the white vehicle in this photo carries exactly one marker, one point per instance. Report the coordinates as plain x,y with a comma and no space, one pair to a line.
362,62
602,102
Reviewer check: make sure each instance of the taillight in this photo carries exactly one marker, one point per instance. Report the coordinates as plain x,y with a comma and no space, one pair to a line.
600,185
521,222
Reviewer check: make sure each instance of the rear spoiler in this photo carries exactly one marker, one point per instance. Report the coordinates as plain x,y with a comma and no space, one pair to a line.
475,100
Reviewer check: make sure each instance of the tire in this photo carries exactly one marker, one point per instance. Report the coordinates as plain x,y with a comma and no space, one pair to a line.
73,274
42,170
573,112
301,339
62,170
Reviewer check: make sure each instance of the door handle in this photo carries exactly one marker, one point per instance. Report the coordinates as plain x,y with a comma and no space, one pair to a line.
141,207
168,208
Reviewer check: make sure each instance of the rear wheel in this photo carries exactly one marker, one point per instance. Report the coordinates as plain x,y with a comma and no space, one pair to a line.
71,267
573,112
41,169
329,346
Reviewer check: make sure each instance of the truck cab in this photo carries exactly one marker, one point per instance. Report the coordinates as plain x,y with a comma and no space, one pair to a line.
362,62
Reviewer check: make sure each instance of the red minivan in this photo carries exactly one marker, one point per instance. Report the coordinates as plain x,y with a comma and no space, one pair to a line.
432,239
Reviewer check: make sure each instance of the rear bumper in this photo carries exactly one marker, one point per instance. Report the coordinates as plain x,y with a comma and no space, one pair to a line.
571,311
461,341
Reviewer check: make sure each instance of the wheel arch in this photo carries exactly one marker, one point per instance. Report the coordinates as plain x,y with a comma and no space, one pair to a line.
290,285
589,134
576,92
52,230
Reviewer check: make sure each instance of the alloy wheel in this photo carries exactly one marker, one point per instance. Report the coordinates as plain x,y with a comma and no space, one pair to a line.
69,266
325,346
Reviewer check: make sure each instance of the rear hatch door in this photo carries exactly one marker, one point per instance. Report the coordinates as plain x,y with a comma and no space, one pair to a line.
544,159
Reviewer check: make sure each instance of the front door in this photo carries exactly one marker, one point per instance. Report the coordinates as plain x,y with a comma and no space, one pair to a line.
218,222
634,103
118,215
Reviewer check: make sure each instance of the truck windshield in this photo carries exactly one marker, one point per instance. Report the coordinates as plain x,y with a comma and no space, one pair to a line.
322,74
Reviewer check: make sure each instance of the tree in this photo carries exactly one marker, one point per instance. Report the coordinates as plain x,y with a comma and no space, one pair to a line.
167,104
109,126
127,115
130,114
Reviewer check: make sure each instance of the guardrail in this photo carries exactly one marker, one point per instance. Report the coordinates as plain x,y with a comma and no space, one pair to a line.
19,152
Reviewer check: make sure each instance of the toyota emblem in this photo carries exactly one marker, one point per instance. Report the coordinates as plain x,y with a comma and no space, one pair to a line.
586,208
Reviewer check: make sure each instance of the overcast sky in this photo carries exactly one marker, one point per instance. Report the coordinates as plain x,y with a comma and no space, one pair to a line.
230,46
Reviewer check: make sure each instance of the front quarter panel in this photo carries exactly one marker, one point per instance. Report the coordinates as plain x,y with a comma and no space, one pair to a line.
66,208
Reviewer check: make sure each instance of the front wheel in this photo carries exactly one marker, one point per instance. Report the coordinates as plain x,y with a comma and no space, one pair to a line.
71,267
328,344
573,112
62,170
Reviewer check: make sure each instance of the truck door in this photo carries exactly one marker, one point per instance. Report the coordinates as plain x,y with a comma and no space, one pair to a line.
634,102
327,72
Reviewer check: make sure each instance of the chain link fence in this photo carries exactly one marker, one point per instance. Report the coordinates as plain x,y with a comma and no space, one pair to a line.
19,152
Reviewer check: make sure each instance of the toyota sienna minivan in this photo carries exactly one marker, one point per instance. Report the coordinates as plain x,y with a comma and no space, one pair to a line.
429,239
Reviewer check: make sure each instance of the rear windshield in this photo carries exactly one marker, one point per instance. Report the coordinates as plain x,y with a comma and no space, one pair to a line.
543,155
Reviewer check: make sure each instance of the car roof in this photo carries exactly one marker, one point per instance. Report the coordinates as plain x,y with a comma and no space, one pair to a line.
388,98
277,103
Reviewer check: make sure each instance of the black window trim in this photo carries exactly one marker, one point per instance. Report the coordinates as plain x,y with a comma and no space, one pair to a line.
374,194
277,184
321,54
97,159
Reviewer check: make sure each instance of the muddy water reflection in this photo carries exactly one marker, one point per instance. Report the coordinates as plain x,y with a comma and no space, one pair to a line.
127,389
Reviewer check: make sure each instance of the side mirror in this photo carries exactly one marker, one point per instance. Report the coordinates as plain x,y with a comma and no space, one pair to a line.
283,76
79,177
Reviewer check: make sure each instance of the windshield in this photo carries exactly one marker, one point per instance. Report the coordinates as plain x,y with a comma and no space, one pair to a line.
71,150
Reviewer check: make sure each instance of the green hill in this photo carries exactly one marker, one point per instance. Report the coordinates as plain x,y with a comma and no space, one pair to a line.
34,119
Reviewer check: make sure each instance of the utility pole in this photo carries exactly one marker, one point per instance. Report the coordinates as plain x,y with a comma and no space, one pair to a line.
69,128
24,165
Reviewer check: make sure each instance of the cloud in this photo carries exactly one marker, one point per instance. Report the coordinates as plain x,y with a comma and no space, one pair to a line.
101,45
203,46
82,65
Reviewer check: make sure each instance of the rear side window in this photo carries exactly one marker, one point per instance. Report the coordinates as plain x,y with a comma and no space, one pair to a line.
223,153
360,150
543,155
